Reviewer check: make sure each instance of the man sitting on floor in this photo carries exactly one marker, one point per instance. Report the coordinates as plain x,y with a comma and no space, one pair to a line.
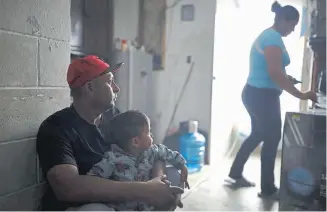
72,140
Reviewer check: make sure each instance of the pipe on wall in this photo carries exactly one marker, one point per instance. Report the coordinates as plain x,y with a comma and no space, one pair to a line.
130,77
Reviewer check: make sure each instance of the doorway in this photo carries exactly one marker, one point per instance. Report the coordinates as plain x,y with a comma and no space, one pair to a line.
237,26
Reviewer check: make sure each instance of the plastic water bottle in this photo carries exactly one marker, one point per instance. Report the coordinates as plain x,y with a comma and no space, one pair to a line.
192,147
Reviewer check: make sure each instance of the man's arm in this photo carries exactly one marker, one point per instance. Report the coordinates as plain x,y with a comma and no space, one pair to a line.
57,159
69,186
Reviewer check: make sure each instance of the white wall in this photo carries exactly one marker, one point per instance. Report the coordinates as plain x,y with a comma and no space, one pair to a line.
183,39
126,19
195,39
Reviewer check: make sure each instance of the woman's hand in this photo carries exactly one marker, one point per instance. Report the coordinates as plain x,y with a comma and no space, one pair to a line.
309,95
184,175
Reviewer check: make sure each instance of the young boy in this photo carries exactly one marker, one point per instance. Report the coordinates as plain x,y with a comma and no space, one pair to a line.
132,155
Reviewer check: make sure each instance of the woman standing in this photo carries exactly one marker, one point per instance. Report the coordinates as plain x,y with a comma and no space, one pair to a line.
266,81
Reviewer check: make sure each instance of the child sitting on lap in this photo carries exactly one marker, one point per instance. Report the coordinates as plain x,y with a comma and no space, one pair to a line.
132,155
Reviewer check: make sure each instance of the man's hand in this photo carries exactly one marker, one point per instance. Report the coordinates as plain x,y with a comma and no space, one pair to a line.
184,175
159,194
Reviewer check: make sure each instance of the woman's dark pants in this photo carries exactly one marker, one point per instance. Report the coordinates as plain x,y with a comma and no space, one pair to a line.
263,106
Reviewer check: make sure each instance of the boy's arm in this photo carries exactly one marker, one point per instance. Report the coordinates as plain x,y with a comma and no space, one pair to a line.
161,152
104,168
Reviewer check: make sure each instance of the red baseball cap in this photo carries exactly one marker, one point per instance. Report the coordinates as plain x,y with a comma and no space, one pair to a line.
84,69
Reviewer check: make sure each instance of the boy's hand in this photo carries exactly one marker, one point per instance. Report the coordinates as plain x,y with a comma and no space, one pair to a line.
184,175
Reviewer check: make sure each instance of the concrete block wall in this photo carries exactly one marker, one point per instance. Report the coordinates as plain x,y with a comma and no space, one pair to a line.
34,55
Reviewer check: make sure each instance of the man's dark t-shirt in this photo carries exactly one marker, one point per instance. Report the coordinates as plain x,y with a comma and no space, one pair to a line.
66,138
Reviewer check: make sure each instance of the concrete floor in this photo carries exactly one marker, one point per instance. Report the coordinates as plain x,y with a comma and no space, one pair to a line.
209,193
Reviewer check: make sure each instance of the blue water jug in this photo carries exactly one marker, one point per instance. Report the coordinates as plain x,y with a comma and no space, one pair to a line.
192,147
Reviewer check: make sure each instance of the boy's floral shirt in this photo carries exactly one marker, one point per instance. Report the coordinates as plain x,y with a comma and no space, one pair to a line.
120,166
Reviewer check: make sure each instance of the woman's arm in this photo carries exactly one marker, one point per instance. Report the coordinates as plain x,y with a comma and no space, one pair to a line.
273,55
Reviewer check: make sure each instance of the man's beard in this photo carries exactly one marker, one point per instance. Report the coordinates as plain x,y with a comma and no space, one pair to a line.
114,98
112,103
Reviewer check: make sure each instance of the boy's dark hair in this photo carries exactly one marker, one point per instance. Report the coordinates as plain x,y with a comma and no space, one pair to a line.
124,126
